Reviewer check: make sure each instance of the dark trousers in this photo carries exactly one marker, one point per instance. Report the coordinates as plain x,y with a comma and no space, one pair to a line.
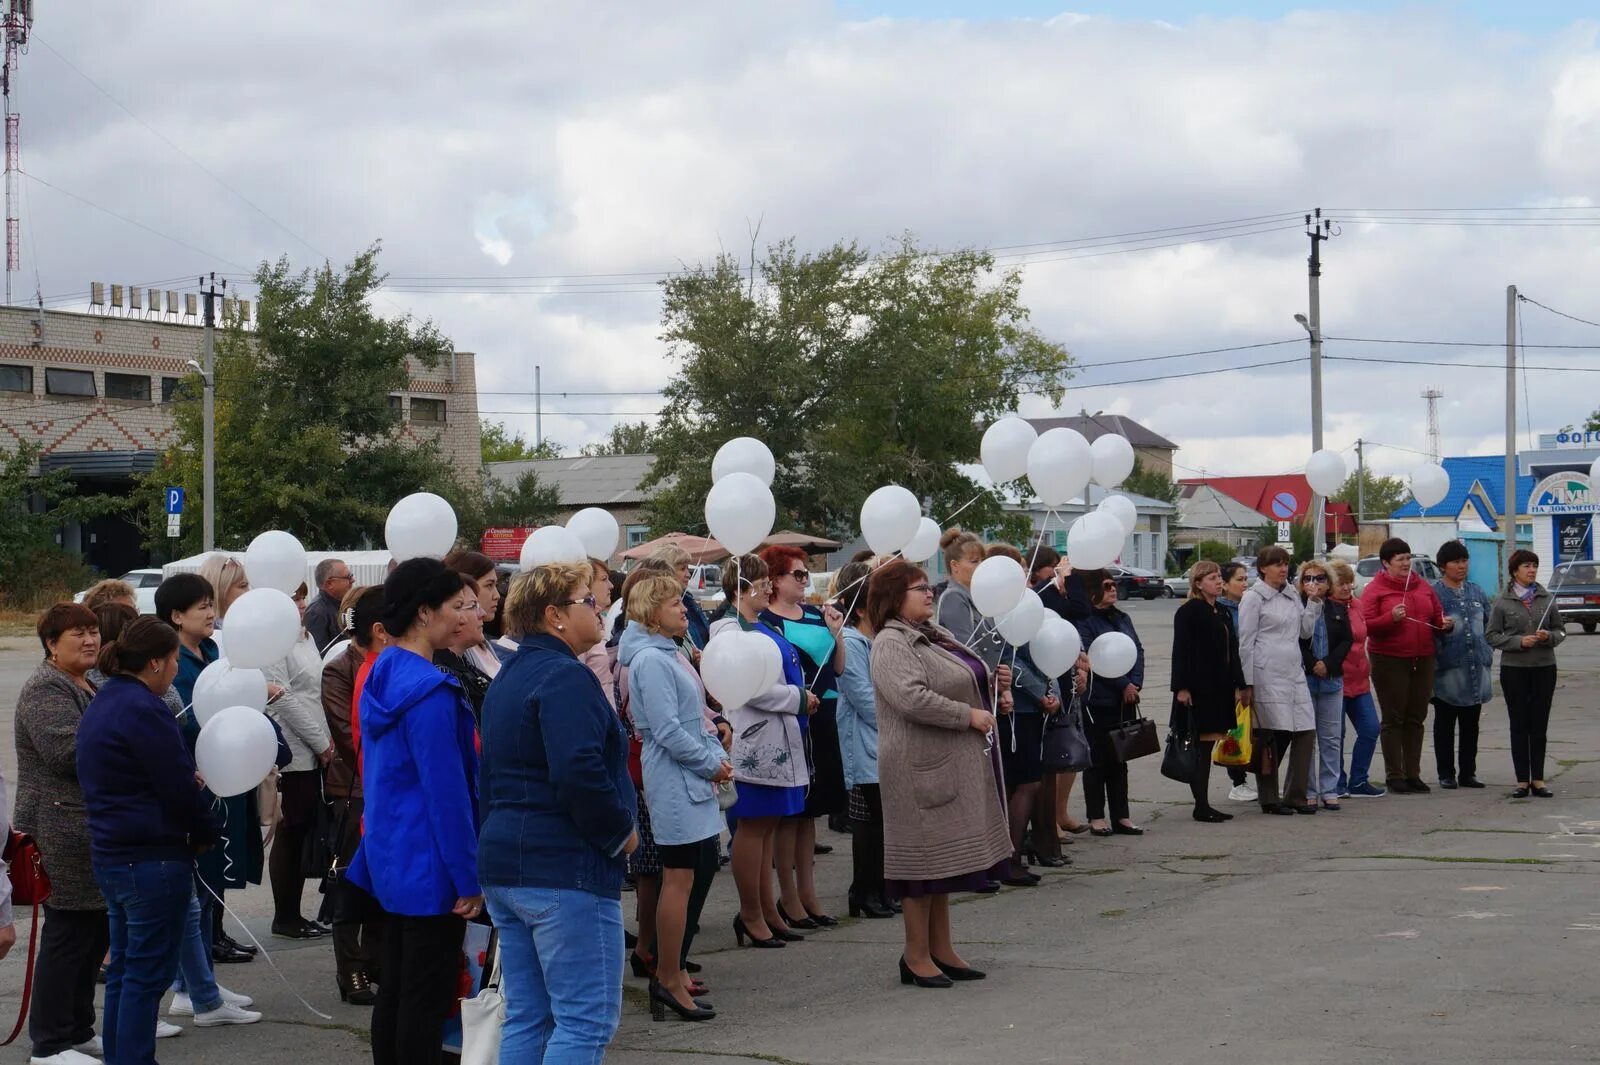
421,965
1106,782
1403,686
301,793
1528,692
1301,747
1446,716
705,871
357,948
70,948
1044,838
866,846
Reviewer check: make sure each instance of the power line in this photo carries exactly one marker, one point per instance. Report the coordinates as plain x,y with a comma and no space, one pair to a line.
1545,306
130,221
1458,365
1462,343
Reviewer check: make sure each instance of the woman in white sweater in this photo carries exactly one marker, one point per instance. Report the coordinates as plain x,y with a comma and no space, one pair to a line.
298,712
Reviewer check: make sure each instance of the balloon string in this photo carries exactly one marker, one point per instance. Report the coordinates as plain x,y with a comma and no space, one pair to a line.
1588,527
962,507
264,953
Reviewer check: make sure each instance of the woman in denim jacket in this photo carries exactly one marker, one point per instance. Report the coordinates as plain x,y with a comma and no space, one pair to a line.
1462,663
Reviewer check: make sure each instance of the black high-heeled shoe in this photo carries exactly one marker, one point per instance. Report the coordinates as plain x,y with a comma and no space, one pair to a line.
692,967
1102,832
822,920
909,977
868,907
807,923
1048,861
641,967
1120,829
741,933
661,1000
959,972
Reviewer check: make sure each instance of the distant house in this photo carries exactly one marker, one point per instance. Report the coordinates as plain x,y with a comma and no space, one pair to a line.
1276,497
1204,513
610,482
1153,450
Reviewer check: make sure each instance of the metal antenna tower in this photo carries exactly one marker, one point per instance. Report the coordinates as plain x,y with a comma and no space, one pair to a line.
18,21
1433,395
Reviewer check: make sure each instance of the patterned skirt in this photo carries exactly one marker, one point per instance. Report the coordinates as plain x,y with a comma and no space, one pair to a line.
645,859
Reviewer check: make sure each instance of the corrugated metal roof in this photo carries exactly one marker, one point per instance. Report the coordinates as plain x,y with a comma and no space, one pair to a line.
600,481
1489,471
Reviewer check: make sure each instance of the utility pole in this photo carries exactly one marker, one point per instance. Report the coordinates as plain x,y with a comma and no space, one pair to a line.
1508,517
208,414
538,410
1435,450
1318,229
1361,485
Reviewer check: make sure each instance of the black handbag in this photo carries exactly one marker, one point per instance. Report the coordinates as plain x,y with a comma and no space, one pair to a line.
1135,739
1066,745
342,901
1185,758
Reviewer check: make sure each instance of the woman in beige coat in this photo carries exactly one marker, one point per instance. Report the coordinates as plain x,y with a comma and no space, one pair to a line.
944,821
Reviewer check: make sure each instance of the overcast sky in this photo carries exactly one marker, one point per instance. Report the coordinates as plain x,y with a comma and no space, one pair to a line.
586,142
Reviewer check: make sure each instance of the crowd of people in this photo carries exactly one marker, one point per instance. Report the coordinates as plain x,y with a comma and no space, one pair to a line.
454,750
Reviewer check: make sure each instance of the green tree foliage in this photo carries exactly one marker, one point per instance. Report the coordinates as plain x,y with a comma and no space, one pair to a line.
1214,551
525,502
625,438
34,570
857,370
501,444
1384,495
1152,483
306,439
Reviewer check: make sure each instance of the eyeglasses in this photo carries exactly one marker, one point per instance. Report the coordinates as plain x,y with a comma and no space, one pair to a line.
1315,578
801,575
1107,584
923,587
589,601
755,585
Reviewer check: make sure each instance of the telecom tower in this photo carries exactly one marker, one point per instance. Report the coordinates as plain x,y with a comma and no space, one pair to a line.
1433,395
19,20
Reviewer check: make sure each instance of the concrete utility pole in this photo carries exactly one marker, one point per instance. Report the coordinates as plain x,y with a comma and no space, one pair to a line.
1318,229
208,416
1361,485
1508,517
538,410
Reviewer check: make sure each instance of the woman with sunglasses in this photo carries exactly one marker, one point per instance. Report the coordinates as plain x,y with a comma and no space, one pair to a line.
1272,622
817,635
1323,654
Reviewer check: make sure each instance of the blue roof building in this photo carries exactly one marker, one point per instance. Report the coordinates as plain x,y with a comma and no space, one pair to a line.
1477,493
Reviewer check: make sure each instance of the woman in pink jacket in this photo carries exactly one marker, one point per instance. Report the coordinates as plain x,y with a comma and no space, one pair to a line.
1402,613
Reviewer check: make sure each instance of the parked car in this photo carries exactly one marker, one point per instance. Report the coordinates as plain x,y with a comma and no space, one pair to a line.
1135,583
1177,587
705,584
1422,566
144,581
1576,586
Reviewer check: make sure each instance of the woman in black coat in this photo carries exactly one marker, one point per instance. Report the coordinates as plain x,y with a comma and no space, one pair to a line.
1206,677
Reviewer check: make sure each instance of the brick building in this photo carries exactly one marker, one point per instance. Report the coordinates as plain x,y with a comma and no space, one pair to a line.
94,391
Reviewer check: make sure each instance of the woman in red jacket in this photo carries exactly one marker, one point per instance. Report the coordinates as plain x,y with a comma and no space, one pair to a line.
1402,613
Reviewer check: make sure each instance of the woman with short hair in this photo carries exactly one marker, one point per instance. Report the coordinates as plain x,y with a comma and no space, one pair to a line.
677,561
1109,703
558,818
111,591
1402,613
1526,626
480,569
1356,678
1462,663
1207,679
459,659
1272,622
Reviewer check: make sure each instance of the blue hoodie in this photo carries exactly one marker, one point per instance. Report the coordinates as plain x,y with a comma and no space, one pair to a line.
679,757
419,771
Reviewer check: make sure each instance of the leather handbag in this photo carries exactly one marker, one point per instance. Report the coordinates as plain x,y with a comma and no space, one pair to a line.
30,886
1134,739
483,1016
342,901
1185,758
1065,744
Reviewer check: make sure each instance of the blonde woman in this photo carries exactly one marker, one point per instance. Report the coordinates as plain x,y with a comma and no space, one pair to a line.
677,562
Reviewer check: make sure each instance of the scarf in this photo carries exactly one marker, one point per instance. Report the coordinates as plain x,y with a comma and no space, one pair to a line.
1525,593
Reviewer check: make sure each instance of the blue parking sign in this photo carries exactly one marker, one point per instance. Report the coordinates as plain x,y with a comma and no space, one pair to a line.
174,500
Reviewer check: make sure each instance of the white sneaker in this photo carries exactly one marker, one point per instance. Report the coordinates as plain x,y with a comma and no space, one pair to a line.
65,1057
227,1013
95,1048
167,1031
1245,792
183,1005
233,998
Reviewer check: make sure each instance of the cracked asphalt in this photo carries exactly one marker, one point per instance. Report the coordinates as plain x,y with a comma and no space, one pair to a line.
1455,926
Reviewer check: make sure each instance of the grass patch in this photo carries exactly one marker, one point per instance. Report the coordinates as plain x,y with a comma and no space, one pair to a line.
1451,860
1113,913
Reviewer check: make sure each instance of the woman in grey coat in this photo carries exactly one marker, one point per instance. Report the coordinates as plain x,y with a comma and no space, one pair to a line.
1272,622
50,809
1526,626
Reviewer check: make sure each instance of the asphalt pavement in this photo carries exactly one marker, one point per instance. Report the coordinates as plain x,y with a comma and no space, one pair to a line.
1456,926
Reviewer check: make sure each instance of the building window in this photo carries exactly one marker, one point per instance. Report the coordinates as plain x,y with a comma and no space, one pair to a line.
169,388
127,386
638,534
69,383
429,411
396,407
16,378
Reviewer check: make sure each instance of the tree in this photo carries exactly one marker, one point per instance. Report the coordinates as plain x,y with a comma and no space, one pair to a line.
1299,537
33,569
857,370
625,438
1215,551
524,503
501,444
1383,495
1152,483
306,438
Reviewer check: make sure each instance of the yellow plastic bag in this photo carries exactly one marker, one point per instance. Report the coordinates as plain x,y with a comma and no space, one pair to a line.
1235,747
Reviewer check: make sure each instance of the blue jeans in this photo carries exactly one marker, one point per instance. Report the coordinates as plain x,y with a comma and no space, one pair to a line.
560,960
196,976
1363,714
1324,784
147,904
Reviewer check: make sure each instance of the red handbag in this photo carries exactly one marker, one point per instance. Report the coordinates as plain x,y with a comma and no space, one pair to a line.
30,886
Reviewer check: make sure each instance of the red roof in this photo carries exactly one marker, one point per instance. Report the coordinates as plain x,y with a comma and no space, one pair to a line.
1281,497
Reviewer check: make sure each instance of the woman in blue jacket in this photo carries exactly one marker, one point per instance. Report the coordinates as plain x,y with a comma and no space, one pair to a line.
558,817
1112,701
682,763
419,774
857,717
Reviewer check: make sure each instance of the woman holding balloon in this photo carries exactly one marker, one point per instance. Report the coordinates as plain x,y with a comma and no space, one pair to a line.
1113,697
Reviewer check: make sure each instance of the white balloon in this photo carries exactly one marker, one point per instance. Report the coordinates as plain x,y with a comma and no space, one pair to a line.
1004,450
1429,485
551,543
220,686
1325,471
997,586
740,511
339,647
1056,646
236,750
275,560
1594,477
890,518
1113,654
597,530
771,658
924,544
1059,465
1113,459
744,454
1095,540
734,670
422,525
263,627
1021,623
1123,509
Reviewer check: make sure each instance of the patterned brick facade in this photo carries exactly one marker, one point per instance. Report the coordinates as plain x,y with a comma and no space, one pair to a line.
156,349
